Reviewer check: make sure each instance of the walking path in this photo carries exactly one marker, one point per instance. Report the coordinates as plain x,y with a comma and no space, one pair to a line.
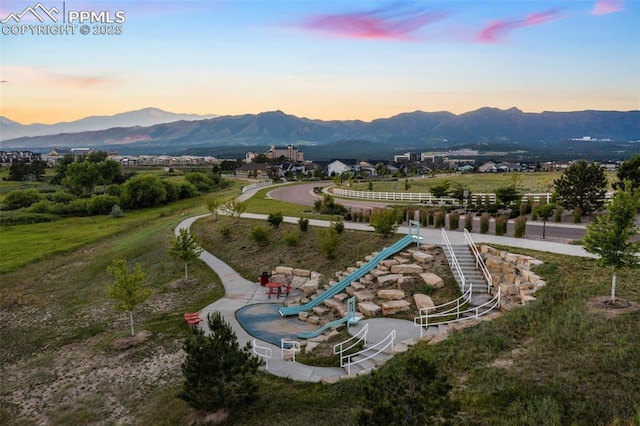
240,292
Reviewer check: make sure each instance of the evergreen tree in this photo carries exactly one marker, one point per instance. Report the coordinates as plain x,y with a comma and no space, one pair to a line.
185,247
582,185
413,393
217,372
629,170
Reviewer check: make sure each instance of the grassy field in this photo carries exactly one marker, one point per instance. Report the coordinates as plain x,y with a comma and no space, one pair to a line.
476,182
559,360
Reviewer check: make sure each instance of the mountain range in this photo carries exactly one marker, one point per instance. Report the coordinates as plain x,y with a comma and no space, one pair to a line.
144,117
485,129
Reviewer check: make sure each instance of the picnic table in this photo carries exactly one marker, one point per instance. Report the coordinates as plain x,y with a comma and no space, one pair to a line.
277,288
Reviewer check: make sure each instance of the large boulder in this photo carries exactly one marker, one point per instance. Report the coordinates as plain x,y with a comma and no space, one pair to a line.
389,279
409,268
423,301
369,309
422,257
432,279
394,306
391,294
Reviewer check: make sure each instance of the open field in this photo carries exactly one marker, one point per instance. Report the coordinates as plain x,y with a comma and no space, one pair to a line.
476,182
560,360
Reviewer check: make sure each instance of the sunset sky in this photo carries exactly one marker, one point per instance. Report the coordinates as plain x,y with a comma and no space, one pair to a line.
325,59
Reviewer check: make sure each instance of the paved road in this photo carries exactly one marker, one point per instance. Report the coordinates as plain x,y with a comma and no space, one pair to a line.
304,194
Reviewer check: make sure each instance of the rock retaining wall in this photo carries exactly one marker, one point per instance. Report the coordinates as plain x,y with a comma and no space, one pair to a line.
512,274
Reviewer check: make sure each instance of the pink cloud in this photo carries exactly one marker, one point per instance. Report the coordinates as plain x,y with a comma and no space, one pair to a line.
45,76
497,30
392,23
603,7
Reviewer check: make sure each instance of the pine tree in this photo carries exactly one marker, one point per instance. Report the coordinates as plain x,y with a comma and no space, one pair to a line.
217,372
582,185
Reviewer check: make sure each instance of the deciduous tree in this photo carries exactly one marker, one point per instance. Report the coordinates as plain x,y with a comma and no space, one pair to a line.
185,247
129,288
609,236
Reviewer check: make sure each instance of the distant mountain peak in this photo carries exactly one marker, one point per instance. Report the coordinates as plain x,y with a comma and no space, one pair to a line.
144,117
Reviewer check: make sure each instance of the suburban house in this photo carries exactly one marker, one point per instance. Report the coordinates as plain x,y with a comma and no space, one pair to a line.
337,167
253,170
492,167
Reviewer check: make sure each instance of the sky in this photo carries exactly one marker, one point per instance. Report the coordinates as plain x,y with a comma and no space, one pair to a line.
324,60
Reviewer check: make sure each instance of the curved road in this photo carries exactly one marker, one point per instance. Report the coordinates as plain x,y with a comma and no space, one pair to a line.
303,194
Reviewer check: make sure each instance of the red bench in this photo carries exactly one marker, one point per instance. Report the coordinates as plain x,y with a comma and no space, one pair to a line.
192,318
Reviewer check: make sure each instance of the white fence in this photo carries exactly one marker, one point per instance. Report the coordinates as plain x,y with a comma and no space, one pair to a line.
427,197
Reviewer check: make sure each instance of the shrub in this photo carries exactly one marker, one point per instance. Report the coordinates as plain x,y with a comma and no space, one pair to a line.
101,204
303,223
384,221
577,215
19,199
173,190
25,218
523,208
41,206
534,214
275,219
484,223
114,189
329,242
62,197
327,205
201,181
438,219
430,217
116,211
338,226
225,231
557,216
187,190
501,224
143,191
78,207
468,222
259,234
291,238
454,221
520,226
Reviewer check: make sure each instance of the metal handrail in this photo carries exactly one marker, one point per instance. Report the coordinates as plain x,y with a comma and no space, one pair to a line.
479,261
294,348
454,303
493,303
360,336
266,353
346,360
454,260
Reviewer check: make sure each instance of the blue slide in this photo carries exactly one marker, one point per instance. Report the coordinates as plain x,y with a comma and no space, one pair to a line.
355,275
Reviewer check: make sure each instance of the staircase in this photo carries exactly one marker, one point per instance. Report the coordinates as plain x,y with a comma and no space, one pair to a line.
474,282
473,276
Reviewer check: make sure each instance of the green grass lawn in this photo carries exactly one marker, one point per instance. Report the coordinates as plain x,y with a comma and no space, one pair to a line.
558,360
476,182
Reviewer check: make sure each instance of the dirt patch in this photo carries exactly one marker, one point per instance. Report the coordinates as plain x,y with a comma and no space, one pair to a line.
604,305
131,341
182,283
